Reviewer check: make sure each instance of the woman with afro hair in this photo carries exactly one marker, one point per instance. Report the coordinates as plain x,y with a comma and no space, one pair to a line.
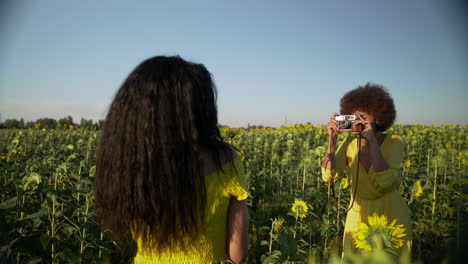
164,176
373,158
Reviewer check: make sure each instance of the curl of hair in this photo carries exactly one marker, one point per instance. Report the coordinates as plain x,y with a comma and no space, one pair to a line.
149,180
373,99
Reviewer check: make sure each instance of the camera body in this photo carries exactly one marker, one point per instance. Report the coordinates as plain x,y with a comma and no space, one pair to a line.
345,123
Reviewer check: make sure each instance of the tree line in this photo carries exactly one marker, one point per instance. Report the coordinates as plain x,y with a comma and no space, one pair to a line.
62,123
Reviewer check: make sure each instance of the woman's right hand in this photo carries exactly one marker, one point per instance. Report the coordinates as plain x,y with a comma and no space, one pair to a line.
332,127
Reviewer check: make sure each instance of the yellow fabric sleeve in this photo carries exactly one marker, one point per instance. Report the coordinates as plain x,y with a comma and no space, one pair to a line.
237,185
389,179
340,161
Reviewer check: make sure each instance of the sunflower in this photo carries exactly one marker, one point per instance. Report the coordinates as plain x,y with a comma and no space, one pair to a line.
278,223
344,183
419,191
31,181
229,132
242,154
299,208
378,232
408,163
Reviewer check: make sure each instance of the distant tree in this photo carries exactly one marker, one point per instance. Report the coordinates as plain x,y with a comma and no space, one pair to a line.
46,122
12,123
87,124
68,121
99,124
29,124
249,126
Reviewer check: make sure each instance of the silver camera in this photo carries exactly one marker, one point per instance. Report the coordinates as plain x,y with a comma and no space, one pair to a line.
345,123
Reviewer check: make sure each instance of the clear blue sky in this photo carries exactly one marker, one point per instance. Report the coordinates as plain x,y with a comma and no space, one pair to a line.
272,61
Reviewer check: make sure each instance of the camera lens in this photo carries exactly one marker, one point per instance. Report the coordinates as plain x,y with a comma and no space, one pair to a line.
345,124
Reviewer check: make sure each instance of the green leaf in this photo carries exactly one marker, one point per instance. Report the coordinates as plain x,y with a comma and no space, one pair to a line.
8,247
289,247
70,257
33,260
8,204
38,214
45,241
273,258
92,171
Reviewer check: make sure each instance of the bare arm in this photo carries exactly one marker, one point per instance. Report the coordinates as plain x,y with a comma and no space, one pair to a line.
238,227
334,161
329,158
332,129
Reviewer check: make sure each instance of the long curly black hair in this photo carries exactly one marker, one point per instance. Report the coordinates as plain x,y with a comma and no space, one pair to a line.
149,180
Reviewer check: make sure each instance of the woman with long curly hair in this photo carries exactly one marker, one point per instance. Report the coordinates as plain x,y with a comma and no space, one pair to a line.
373,158
164,175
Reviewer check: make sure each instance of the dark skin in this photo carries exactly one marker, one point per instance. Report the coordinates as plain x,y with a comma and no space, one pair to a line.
370,154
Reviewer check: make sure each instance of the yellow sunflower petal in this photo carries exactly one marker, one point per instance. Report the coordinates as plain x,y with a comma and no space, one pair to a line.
373,219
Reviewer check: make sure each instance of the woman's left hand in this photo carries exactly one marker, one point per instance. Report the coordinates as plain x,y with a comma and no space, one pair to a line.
368,127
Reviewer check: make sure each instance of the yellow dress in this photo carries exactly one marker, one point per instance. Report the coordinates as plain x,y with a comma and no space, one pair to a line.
377,192
210,247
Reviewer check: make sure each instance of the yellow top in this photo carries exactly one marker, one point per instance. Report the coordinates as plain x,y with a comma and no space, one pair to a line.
210,247
376,191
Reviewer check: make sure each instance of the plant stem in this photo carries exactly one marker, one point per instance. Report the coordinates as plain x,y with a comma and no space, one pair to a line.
304,178
434,192
270,245
338,211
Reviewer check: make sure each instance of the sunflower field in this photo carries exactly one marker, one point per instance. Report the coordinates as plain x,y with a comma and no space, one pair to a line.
47,214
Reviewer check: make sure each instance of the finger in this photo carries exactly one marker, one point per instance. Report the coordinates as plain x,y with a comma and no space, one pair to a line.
362,125
365,122
335,125
333,129
332,123
355,123
362,116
